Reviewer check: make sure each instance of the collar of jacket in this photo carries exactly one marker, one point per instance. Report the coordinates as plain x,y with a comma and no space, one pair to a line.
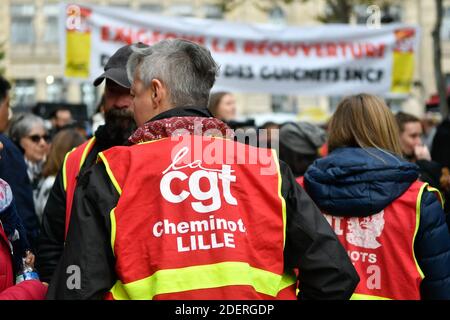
188,111
177,121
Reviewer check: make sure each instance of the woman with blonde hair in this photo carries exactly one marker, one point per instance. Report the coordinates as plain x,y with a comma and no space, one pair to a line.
64,141
391,224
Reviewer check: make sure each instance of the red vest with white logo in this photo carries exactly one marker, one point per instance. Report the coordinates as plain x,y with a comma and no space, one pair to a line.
381,247
188,228
73,162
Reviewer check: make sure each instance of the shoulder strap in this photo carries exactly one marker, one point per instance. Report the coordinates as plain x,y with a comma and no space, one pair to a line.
73,162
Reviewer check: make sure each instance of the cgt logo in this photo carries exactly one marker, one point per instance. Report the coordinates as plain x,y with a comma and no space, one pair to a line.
213,176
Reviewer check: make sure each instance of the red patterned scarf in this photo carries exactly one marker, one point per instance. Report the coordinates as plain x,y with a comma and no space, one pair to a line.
168,127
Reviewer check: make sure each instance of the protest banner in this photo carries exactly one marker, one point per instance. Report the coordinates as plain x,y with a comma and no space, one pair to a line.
318,60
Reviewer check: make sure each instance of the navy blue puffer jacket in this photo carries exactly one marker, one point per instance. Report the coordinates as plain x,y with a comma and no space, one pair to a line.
360,182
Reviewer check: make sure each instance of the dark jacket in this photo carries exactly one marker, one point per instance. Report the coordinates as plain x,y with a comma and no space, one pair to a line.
440,151
311,245
360,182
51,238
14,171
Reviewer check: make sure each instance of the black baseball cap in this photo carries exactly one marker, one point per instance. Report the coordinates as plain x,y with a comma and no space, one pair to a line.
116,67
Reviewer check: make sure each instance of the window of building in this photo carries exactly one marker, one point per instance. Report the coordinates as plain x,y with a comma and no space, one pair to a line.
22,31
151,7
213,11
395,104
333,102
277,15
445,27
119,5
284,104
56,90
182,10
24,92
51,23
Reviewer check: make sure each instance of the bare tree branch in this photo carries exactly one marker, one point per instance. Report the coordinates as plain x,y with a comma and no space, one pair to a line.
437,51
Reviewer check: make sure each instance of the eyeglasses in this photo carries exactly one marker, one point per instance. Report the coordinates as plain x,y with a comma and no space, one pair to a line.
37,138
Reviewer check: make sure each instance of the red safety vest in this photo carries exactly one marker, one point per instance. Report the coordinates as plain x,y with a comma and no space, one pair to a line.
186,228
73,162
381,247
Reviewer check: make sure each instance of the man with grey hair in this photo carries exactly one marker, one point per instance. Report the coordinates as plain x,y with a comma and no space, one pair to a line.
177,215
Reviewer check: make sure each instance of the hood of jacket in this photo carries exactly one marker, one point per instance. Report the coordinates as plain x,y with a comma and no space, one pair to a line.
358,182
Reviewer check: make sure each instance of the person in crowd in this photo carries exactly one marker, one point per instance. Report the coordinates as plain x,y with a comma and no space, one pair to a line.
60,118
162,244
14,170
223,106
391,224
28,132
411,142
268,136
13,247
429,121
64,141
98,119
441,153
299,145
119,125
415,151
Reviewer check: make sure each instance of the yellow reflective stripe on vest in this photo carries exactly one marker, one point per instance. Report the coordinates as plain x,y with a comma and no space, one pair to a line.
419,201
439,194
283,202
113,229
118,291
64,169
287,280
152,141
358,296
110,173
200,277
86,151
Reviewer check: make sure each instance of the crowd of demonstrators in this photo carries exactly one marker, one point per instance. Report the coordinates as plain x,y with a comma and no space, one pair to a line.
13,170
16,214
167,99
63,142
119,125
361,217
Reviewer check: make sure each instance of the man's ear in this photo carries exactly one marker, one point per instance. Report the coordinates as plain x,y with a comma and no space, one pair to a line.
159,92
